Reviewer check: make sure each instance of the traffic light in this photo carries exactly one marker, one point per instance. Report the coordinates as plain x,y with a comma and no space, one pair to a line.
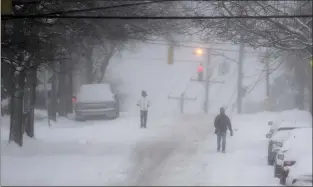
200,72
170,55
6,7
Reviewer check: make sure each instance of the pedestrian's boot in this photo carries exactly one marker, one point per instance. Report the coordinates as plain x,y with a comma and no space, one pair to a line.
223,151
218,150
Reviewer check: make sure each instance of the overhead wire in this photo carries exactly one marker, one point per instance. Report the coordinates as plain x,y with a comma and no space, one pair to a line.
47,16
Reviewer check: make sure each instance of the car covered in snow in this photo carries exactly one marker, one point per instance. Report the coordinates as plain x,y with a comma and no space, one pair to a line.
96,100
300,174
298,142
294,116
276,143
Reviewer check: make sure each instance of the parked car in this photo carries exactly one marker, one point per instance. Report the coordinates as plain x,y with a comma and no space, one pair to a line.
96,100
275,143
300,174
295,116
297,143
294,155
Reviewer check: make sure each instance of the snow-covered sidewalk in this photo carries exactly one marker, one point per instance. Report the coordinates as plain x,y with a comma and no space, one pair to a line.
95,152
244,163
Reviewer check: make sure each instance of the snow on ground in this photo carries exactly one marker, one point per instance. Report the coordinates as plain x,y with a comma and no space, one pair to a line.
172,151
94,152
243,164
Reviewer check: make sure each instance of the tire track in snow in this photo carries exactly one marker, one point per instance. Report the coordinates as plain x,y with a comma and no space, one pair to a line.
152,158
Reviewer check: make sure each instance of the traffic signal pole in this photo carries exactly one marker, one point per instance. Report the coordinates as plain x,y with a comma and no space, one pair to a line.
239,78
207,83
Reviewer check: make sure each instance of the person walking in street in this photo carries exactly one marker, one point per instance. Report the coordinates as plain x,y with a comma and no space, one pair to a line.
143,104
221,124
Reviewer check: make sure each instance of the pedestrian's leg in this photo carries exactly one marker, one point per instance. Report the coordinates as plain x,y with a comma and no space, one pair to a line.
218,142
146,118
223,142
141,119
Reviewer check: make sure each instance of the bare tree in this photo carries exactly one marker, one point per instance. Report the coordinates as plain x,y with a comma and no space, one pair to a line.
293,34
29,43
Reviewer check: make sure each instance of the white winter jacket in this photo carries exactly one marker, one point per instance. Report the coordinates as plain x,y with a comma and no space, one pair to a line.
143,103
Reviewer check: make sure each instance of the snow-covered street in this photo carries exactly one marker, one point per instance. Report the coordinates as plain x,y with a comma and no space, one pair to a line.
177,151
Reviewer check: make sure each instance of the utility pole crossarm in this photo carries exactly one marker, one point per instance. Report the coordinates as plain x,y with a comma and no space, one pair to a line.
182,99
171,97
210,81
190,99
216,82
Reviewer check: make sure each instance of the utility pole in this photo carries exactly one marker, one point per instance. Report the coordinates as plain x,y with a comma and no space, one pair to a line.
267,69
207,91
182,99
207,83
239,78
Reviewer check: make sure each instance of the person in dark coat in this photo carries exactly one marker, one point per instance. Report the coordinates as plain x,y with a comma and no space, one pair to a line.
221,124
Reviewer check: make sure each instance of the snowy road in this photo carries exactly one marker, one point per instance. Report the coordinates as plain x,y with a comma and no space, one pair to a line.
189,157
151,158
178,151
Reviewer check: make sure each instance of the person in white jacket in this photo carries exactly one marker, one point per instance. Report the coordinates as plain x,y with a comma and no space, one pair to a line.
143,104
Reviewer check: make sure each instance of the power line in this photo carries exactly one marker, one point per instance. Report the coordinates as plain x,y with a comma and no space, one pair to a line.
47,16
59,13
17,2
104,8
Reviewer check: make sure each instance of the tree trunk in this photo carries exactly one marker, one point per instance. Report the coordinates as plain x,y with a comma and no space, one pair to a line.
103,68
89,74
70,90
30,115
89,65
63,86
300,76
53,99
16,123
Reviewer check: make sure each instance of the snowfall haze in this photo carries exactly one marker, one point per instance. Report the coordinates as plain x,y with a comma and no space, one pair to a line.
224,100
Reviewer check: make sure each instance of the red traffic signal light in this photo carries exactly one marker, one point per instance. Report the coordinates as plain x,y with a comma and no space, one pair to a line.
200,69
74,99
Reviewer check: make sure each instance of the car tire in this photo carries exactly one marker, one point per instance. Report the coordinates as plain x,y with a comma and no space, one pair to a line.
115,116
282,178
79,118
276,175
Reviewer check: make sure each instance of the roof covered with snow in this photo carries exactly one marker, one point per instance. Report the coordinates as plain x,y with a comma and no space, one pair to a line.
294,116
95,93
302,167
280,135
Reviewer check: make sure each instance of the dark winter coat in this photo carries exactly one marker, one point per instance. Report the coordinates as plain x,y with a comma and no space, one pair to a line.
222,123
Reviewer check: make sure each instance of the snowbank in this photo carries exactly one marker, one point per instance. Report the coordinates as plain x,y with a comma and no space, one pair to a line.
94,152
